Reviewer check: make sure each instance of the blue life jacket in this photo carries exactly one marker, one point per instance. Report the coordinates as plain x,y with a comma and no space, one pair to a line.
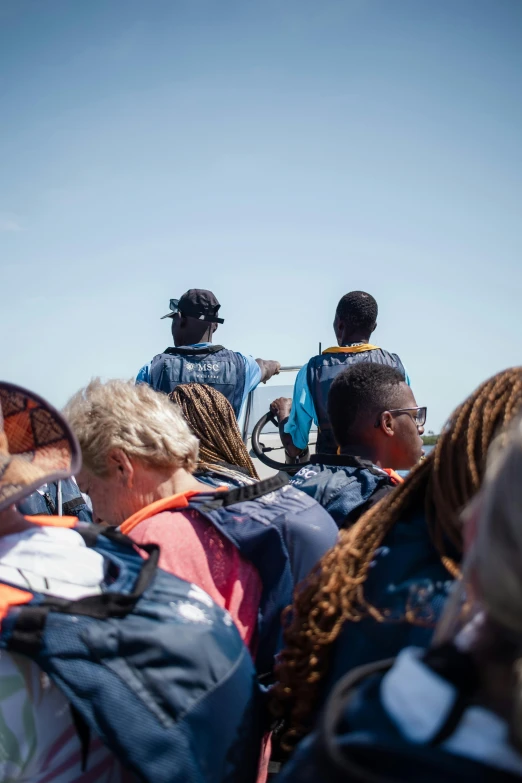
358,740
73,503
345,486
224,475
321,372
280,530
408,583
151,665
213,365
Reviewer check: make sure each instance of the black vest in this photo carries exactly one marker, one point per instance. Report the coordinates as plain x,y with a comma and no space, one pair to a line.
320,375
214,365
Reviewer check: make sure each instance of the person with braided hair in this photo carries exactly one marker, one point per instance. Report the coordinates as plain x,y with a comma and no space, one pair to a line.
452,713
223,457
383,585
246,548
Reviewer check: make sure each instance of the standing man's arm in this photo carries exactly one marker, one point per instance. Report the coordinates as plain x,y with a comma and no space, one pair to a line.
295,417
268,368
256,371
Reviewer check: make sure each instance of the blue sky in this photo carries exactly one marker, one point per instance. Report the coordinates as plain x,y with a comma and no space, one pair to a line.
279,152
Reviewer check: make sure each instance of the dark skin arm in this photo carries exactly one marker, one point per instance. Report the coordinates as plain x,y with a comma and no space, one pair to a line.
269,368
281,410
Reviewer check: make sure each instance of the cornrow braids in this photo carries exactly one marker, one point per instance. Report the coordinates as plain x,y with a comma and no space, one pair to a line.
211,418
333,593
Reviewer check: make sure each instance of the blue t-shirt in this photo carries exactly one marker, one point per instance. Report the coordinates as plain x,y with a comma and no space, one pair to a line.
303,410
252,372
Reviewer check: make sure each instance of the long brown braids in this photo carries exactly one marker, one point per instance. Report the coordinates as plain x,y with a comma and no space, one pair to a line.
211,418
333,594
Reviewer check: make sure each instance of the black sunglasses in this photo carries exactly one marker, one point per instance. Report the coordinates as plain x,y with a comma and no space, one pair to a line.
417,414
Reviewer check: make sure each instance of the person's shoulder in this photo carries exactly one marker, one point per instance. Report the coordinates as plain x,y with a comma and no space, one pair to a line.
393,354
157,527
302,508
246,357
143,373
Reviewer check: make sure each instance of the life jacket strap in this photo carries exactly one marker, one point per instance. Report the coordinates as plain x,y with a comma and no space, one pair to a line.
187,349
352,348
395,477
210,500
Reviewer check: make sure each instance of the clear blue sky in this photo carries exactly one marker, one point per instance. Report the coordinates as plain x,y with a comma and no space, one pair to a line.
279,152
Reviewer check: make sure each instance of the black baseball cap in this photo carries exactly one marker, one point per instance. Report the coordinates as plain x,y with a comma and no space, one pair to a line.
196,303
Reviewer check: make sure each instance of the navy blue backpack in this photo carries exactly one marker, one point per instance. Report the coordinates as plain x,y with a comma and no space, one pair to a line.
283,532
151,665
357,741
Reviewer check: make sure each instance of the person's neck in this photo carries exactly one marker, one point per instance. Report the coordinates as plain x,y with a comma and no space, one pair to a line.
353,337
193,339
178,482
363,451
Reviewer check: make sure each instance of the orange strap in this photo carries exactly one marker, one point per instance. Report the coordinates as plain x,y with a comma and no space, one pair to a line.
352,348
12,596
393,475
173,503
47,520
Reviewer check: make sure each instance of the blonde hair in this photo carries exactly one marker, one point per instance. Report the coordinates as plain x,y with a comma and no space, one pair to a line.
136,419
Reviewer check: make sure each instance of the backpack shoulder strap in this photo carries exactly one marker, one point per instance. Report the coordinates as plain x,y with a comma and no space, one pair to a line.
332,716
239,495
26,633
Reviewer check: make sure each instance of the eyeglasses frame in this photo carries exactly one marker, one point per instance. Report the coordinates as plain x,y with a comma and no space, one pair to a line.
405,410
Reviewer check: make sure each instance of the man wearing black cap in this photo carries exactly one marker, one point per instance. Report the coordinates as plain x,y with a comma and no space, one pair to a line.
195,360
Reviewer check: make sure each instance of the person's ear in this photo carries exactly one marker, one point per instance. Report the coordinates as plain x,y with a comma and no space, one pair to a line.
337,327
183,321
214,327
386,424
374,327
121,466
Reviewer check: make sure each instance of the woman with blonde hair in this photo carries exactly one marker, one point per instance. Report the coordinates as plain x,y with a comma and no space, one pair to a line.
454,712
382,587
139,456
246,548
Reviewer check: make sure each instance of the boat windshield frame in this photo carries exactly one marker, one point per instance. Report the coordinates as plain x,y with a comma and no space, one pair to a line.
245,434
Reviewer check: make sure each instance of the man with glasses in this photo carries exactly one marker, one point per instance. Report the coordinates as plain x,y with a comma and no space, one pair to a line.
194,359
377,425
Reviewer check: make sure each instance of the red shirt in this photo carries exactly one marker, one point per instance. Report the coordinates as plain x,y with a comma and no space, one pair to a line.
193,549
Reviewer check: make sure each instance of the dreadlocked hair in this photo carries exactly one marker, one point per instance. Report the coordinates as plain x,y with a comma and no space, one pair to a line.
212,419
333,593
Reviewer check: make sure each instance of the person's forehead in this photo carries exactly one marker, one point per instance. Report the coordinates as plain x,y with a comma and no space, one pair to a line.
406,396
